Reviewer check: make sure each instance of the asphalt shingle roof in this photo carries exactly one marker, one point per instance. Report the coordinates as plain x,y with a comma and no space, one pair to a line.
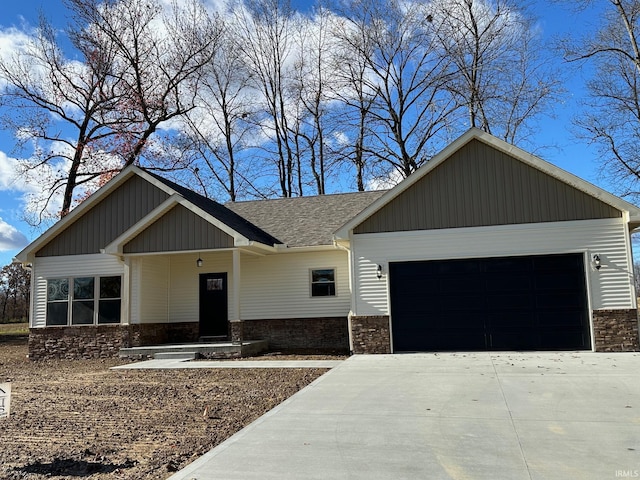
304,221
296,221
222,213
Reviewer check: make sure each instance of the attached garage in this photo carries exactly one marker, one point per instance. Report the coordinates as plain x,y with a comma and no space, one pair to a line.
506,303
487,247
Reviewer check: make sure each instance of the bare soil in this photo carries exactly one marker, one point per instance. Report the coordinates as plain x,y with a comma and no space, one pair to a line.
78,419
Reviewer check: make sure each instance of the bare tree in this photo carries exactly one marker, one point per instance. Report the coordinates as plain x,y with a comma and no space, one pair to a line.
312,83
610,117
263,32
501,78
160,55
61,108
407,75
352,89
222,125
14,292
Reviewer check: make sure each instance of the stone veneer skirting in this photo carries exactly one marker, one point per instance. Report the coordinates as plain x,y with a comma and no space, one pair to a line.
616,330
370,334
103,341
328,334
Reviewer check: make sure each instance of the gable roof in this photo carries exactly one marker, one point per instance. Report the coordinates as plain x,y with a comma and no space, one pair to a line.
299,221
222,213
512,152
223,218
304,221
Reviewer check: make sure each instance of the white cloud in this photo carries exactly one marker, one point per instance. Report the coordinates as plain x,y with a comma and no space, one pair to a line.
10,237
385,183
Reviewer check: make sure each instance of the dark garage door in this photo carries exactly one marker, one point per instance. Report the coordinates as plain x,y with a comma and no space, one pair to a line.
510,303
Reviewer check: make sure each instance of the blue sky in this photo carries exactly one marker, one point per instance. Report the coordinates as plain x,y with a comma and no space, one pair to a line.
554,142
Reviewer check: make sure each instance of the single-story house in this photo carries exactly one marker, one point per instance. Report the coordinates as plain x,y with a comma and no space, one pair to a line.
486,247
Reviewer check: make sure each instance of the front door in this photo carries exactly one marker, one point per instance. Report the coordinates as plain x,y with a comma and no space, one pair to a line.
213,305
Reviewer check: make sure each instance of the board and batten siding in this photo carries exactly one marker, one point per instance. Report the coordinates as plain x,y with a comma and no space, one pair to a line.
179,229
481,186
279,286
110,217
68,266
609,288
150,289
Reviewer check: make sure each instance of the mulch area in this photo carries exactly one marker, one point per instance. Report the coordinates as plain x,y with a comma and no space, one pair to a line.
77,418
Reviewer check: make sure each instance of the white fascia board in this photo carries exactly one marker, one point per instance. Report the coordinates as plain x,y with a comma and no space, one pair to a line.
474,133
306,249
27,255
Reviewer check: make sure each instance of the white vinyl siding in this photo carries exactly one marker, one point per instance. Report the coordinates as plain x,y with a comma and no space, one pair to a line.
277,286
150,289
609,288
93,265
184,287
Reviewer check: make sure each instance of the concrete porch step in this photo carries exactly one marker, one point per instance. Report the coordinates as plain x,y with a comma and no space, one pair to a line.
214,339
207,350
175,356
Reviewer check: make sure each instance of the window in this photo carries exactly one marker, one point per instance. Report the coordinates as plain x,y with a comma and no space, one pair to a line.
57,301
110,300
94,300
323,282
82,309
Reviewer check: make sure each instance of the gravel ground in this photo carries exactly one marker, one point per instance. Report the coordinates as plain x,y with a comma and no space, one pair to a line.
78,419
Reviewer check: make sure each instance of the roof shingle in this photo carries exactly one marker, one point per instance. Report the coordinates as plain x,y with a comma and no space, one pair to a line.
304,221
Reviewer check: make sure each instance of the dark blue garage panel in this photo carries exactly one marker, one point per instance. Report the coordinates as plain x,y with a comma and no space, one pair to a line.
507,303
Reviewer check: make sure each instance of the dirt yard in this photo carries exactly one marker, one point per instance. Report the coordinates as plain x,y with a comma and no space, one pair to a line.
72,419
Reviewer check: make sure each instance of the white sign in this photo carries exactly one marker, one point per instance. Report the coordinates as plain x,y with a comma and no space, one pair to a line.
5,399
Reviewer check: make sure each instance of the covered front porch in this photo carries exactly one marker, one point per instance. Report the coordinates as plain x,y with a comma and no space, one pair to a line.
185,297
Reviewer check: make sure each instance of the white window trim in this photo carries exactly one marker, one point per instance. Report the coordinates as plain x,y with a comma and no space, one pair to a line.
96,300
335,282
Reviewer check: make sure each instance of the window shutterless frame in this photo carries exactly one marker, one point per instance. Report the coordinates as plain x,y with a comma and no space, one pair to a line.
84,300
322,282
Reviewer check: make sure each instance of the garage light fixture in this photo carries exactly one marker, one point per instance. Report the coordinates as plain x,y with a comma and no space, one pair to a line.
199,262
379,272
596,262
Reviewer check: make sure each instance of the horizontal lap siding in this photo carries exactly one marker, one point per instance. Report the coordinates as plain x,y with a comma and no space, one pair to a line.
184,288
68,266
154,288
611,287
278,286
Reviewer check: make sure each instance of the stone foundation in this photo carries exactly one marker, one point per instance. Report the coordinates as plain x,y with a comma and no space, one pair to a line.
301,334
103,341
236,331
616,330
100,341
370,334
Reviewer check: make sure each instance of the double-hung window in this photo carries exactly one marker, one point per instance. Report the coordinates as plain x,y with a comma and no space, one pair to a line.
323,282
84,300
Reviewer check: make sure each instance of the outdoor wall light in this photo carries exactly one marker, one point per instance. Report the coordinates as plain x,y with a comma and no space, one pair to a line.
379,272
199,262
596,262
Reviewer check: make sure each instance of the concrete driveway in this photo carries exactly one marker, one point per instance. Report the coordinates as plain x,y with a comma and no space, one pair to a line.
447,416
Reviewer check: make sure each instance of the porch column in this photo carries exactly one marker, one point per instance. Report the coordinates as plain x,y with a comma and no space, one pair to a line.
236,327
